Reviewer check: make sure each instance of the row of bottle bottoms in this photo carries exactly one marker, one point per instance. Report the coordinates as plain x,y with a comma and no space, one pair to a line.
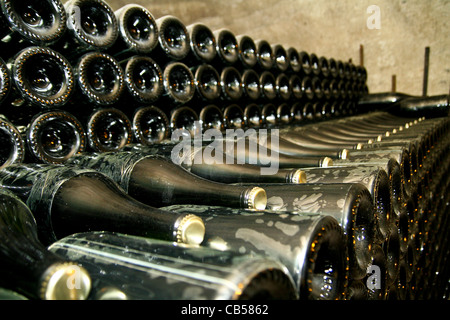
81,25
39,78
325,235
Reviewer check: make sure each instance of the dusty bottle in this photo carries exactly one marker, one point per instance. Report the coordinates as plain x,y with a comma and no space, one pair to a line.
91,26
247,52
12,145
138,32
185,120
351,204
202,44
173,40
26,264
317,255
143,80
153,269
100,80
108,129
30,23
178,84
156,181
264,55
226,169
227,48
67,200
40,77
54,137
150,125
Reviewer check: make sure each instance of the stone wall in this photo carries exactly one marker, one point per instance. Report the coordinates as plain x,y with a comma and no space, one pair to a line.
337,29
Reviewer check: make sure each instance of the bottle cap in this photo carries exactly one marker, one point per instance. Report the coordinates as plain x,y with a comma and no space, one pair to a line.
256,198
298,176
326,162
343,154
65,281
191,230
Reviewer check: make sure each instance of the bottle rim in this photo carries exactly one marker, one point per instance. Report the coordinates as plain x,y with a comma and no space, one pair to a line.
5,80
140,46
138,94
39,123
74,23
245,41
254,91
83,78
205,114
17,152
112,112
226,57
67,85
224,83
163,24
37,35
194,30
213,92
187,94
137,125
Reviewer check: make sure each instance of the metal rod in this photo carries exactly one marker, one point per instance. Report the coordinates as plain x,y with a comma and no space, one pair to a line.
425,71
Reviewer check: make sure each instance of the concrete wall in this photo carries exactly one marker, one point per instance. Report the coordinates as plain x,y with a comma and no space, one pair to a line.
337,29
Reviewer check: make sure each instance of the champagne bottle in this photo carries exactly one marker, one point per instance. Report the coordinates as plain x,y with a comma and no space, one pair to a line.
314,62
281,58
285,115
253,116
41,77
5,81
149,269
233,116
283,87
247,51
294,60
305,62
157,182
54,137
220,171
270,116
231,84
375,179
12,145
211,117
207,84
108,129
178,84
91,26
324,67
31,24
268,86
66,200
311,246
26,264
351,204
138,32
100,80
264,55
202,44
295,83
250,85
173,40
143,80
226,47
185,119
150,125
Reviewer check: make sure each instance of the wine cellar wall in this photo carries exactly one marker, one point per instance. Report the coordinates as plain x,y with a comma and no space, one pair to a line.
145,159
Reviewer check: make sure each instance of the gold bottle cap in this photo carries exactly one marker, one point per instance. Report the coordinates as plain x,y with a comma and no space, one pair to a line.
387,134
257,199
191,230
359,146
65,281
299,176
379,138
343,154
394,130
326,162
